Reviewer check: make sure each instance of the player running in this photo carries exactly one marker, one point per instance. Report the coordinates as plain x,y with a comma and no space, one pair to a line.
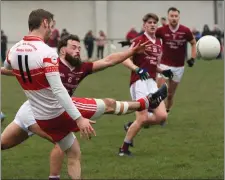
174,38
145,66
69,66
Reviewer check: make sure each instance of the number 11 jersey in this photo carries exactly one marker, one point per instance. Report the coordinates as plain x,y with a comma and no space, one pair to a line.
31,61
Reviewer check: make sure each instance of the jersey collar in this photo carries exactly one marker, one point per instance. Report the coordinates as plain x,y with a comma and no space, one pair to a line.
174,30
150,38
32,38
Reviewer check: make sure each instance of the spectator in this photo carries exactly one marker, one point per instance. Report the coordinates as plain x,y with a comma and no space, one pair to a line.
196,34
163,21
219,35
54,38
131,34
89,43
4,41
142,31
101,40
206,30
64,33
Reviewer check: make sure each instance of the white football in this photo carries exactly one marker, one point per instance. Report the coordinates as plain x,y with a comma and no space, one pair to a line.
208,47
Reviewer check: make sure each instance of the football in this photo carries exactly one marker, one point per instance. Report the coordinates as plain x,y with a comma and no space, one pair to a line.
208,47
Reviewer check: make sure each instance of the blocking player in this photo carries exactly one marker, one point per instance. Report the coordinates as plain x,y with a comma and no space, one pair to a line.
144,65
69,66
174,37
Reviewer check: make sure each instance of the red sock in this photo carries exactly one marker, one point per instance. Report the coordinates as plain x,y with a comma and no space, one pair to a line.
143,104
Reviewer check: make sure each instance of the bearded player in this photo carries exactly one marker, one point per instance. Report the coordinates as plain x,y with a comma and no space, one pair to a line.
72,71
174,37
144,65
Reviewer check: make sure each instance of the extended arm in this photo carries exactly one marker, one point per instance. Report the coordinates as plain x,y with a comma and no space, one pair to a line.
117,58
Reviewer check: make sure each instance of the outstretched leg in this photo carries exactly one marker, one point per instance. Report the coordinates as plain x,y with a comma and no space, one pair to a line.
125,107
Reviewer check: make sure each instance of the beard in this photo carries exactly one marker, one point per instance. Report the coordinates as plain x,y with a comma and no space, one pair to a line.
73,61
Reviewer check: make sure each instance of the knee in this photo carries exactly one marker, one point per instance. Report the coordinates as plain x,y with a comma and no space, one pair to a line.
74,155
162,116
143,120
110,105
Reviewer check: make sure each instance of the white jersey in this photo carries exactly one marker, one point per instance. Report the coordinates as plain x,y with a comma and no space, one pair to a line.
33,62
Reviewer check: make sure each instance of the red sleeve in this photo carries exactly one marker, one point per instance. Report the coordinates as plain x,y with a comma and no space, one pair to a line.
189,35
158,33
87,67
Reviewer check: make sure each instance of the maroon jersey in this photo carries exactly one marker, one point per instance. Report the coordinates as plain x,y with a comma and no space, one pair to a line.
147,60
174,44
72,78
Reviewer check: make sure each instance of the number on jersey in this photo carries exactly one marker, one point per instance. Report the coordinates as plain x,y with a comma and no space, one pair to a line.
20,63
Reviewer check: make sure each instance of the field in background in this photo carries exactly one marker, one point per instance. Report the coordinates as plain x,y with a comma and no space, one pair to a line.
190,146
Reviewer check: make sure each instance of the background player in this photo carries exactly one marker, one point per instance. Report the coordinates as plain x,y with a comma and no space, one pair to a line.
144,66
174,38
69,66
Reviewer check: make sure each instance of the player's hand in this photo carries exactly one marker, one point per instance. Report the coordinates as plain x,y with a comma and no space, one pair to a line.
143,73
167,73
92,122
124,43
86,130
139,48
191,62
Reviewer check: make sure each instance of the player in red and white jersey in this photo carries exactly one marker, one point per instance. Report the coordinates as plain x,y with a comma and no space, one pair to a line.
174,37
144,68
36,68
72,71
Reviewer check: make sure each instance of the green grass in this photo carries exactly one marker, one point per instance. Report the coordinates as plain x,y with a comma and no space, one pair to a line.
190,146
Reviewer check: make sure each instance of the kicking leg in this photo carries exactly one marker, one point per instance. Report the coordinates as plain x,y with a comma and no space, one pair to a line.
121,107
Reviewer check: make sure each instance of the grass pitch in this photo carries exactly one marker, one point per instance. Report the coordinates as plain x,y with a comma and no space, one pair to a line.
190,146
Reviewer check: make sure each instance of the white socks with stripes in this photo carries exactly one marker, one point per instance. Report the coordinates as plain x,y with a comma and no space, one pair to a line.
121,107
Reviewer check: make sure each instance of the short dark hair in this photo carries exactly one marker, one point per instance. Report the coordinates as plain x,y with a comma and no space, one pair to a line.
173,9
150,15
37,16
163,18
63,42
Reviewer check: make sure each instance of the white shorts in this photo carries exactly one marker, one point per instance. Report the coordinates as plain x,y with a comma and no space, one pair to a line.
141,89
24,117
177,72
